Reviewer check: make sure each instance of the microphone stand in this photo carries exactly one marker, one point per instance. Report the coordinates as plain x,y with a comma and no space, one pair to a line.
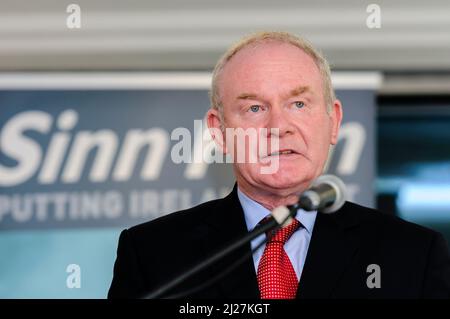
271,224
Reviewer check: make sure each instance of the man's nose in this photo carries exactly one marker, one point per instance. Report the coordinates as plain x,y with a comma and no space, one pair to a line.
279,121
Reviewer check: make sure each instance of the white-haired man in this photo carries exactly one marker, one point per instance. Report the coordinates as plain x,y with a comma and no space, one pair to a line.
279,82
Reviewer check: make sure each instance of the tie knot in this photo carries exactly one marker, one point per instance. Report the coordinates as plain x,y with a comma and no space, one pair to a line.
281,235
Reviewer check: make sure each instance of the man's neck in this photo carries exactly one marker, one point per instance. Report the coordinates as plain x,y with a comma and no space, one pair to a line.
269,199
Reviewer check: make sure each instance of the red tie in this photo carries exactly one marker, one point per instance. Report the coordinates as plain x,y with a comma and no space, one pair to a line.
276,275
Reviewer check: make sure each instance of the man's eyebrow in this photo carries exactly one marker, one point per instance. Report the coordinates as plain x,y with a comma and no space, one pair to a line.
299,90
246,96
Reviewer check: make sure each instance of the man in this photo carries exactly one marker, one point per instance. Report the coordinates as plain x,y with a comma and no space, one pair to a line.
277,81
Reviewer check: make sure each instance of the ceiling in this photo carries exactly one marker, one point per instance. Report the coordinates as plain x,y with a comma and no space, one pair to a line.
190,35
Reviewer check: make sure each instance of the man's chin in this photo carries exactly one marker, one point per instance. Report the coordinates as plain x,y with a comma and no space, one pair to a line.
285,185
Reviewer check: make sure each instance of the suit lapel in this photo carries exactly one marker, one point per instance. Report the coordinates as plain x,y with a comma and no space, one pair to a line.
333,245
227,224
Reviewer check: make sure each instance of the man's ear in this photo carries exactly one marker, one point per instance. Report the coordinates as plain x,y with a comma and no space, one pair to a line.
215,129
336,118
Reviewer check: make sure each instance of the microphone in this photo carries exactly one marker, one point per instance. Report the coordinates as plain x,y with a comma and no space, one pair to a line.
326,194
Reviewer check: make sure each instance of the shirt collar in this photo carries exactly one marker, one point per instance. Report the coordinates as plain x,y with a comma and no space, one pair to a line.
255,212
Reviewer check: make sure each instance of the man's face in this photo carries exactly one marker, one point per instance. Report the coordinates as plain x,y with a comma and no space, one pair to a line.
277,85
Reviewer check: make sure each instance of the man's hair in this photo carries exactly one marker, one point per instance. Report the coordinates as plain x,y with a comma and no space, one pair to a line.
273,36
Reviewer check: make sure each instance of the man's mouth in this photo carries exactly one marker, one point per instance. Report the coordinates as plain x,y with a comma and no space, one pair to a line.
283,152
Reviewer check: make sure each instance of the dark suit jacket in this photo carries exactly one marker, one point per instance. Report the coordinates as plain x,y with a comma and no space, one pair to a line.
414,261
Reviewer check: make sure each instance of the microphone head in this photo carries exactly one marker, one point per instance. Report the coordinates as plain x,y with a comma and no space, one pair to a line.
339,187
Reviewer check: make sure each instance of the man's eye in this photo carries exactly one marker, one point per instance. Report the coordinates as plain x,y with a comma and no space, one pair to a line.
299,104
255,108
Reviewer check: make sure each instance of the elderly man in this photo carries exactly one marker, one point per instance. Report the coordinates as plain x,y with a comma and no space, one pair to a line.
279,82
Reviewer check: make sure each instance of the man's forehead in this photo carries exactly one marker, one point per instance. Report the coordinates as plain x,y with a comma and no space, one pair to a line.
270,57
293,70
269,51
